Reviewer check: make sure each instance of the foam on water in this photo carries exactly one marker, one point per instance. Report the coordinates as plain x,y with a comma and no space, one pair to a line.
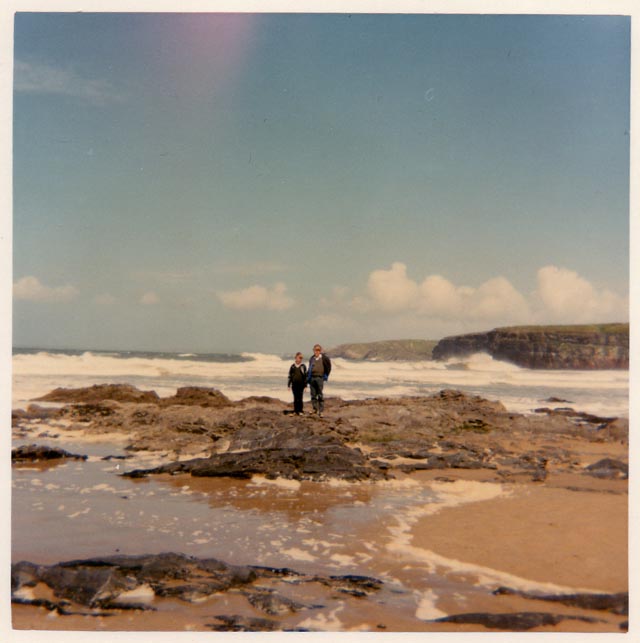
520,389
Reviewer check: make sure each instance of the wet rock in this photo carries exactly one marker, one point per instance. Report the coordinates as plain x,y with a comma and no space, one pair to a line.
237,623
354,585
274,604
450,429
111,582
614,603
578,417
609,469
35,453
312,462
514,622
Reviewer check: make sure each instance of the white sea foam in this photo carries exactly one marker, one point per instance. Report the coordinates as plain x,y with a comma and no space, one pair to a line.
25,593
141,594
520,389
427,610
325,622
281,483
342,560
299,554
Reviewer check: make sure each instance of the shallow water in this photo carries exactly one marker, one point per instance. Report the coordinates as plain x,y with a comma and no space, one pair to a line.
80,509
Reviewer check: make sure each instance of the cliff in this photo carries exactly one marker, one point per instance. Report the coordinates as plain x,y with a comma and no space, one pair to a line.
395,349
595,346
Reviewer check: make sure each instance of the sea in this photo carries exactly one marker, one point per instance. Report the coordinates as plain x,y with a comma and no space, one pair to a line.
38,371
80,509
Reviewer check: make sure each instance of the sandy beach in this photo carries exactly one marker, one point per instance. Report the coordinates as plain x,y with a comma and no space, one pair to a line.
572,537
457,515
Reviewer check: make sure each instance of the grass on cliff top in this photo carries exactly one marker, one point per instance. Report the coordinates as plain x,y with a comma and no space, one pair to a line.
608,329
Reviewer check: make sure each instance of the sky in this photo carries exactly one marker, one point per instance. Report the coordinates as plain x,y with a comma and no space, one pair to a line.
263,182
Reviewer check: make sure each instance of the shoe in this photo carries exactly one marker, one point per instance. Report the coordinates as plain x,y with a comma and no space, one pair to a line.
319,414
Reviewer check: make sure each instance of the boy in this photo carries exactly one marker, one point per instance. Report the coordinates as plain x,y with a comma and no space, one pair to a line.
297,382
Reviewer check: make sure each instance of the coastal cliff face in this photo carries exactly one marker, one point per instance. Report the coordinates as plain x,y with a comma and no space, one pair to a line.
604,346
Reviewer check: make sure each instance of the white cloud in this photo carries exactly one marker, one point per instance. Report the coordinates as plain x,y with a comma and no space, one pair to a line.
149,299
42,78
257,297
564,296
439,297
498,299
392,291
31,289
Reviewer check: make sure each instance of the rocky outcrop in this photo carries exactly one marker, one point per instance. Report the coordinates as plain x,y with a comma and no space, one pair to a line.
614,603
100,393
604,346
98,586
354,440
385,351
513,621
35,453
298,453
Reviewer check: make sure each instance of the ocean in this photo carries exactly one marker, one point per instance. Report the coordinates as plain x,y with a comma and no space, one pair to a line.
36,372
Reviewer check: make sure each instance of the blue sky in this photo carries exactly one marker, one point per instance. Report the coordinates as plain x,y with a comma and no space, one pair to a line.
263,182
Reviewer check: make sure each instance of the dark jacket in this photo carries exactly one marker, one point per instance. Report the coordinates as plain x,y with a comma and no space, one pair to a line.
297,375
326,362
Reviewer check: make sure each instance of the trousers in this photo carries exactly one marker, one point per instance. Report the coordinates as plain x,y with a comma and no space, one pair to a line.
317,398
298,390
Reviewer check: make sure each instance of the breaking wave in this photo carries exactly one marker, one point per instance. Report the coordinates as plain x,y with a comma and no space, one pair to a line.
237,376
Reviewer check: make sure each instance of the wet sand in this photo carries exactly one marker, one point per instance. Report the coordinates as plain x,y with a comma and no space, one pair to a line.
575,537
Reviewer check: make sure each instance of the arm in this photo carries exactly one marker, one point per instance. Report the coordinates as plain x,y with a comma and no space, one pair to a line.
326,362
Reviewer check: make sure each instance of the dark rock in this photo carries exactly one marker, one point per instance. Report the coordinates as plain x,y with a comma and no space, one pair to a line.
237,623
577,416
514,622
103,582
297,452
35,453
614,603
355,585
274,604
608,468
316,463
604,346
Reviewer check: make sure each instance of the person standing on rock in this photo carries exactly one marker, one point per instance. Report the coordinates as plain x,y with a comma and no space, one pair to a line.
297,382
317,375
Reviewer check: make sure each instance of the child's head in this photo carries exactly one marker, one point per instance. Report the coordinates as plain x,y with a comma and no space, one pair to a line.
298,357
